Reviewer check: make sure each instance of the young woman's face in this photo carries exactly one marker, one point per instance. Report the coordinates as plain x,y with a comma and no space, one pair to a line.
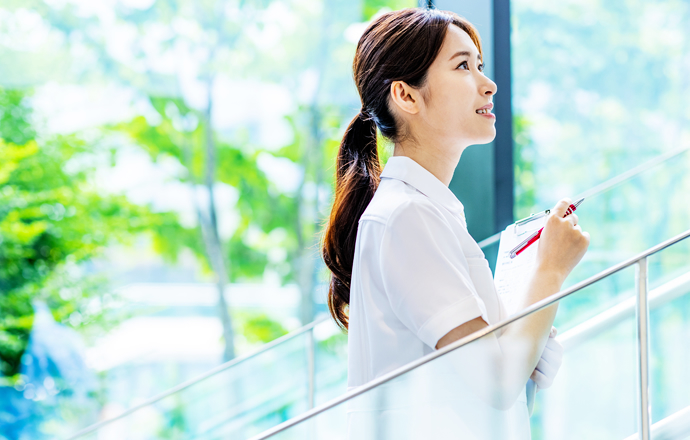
456,90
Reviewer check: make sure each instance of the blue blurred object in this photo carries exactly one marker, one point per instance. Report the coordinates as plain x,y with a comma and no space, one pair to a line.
531,391
52,371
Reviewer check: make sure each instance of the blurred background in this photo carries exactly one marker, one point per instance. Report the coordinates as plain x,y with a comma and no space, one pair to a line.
166,168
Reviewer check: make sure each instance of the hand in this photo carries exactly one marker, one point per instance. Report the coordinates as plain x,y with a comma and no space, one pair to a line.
550,362
563,243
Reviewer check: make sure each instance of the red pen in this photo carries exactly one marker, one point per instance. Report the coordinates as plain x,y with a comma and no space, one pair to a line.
535,236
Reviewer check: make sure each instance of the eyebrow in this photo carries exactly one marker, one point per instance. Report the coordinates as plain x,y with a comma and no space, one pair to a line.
464,53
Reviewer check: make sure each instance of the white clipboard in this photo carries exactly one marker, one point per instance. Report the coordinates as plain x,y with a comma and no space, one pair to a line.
513,274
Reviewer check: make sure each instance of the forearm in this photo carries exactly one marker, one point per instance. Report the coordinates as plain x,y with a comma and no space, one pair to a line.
523,341
496,368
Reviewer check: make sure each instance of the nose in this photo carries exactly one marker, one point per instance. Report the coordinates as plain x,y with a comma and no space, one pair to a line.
488,87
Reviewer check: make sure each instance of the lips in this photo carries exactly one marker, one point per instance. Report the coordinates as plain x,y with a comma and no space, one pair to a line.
485,110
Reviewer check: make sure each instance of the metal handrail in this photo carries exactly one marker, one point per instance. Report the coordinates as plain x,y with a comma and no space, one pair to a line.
471,338
610,183
673,427
219,369
617,180
644,418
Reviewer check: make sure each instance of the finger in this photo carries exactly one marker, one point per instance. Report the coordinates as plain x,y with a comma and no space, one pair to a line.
553,345
573,218
552,359
541,380
554,332
546,368
535,376
561,207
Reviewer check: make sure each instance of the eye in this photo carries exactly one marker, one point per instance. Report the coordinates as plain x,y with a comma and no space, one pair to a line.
481,67
463,65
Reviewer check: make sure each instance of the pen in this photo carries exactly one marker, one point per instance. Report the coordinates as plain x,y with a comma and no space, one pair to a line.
534,237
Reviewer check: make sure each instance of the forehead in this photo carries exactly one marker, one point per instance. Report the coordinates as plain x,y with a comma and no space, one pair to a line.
457,40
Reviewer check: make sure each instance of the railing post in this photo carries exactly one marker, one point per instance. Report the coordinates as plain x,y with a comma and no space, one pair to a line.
311,366
643,349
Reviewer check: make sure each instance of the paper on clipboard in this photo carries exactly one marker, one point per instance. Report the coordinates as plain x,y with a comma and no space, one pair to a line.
512,275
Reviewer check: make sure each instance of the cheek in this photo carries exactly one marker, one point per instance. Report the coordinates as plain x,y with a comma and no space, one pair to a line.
451,98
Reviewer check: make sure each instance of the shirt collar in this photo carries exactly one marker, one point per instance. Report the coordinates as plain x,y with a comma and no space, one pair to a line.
407,170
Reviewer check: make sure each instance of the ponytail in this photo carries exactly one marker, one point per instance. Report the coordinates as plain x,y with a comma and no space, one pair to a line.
358,173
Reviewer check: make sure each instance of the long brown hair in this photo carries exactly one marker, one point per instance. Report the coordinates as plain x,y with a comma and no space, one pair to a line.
398,46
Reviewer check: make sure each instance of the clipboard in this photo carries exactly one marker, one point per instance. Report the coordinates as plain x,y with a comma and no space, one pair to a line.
513,274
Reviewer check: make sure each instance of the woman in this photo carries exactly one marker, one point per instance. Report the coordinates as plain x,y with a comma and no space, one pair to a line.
407,277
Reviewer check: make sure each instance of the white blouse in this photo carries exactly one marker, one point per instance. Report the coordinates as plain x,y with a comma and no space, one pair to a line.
417,275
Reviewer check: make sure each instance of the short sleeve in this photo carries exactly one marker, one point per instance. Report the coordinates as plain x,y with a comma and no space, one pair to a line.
425,273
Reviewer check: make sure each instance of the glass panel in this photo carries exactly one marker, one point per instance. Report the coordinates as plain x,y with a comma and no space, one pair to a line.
239,402
250,397
331,362
628,219
466,394
597,93
599,88
594,395
669,284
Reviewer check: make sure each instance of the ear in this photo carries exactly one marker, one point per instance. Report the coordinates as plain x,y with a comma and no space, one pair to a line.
405,98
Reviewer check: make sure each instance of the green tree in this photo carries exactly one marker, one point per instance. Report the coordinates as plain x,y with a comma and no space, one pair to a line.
290,221
524,154
52,218
278,229
182,134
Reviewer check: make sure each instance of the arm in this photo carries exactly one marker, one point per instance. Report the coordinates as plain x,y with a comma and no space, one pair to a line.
513,356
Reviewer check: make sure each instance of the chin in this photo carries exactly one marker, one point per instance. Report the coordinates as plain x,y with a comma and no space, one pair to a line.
485,139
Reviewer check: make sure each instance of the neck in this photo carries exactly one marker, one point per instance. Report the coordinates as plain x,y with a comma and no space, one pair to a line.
439,157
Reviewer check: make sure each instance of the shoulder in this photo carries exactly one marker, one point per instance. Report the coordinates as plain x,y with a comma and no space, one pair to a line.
394,201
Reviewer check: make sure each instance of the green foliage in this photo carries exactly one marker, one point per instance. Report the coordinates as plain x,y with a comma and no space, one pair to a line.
371,7
14,119
524,157
264,211
260,328
253,261
175,425
335,344
255,328
52,219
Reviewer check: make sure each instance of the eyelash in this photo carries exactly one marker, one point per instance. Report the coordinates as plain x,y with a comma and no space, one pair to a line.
480,67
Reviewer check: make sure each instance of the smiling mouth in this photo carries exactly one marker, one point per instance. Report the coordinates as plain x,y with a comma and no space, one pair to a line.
483,111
